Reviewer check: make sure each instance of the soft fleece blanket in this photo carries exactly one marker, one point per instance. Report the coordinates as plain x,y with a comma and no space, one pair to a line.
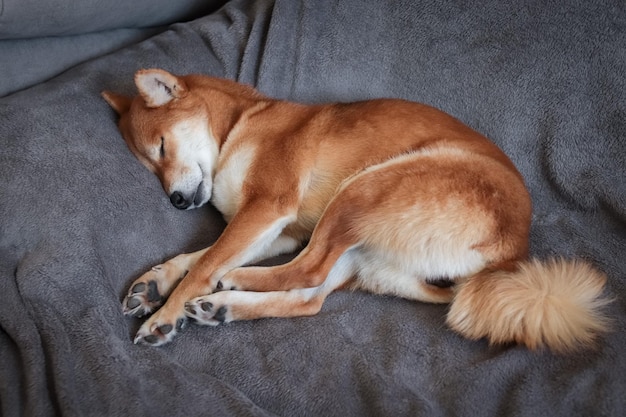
81,218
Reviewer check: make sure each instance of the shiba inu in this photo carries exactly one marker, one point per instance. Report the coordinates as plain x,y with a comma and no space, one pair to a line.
388,196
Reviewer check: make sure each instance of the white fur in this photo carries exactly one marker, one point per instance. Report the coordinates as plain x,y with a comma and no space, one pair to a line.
282,244
157,87
265,240
229,180
197,154
397,274
344,268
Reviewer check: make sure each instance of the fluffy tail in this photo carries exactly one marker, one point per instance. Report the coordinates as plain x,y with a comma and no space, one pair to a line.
557,304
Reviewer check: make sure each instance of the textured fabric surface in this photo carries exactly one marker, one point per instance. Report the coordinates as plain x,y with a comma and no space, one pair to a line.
20,19
81,218
25,62
41,39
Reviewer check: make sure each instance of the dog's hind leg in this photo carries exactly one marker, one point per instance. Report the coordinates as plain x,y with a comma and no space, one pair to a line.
331,240
226,306
297,288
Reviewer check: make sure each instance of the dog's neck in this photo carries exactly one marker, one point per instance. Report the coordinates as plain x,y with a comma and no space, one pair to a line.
232,110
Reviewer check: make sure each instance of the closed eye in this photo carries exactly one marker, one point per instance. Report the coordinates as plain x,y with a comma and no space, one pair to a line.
162,149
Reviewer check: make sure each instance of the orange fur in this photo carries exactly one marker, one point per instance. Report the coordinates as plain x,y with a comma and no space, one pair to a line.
556,304
392,195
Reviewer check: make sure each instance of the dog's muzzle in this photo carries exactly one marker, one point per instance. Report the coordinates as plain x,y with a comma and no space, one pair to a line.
182,201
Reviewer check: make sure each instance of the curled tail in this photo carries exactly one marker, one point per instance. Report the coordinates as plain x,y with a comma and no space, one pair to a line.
557,304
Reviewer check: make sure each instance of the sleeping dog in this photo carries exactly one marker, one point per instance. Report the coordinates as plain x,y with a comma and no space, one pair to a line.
393,197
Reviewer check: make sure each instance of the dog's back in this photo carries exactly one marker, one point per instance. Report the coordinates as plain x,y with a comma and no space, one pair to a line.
286,147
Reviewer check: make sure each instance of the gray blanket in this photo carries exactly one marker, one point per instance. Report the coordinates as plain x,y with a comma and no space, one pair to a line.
81,218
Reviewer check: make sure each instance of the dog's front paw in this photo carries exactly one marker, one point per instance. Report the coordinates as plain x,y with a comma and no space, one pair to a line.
209,309
158,330
148,292
143,296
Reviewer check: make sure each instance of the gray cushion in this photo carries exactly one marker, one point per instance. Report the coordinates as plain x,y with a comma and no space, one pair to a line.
41,39
26,62
32,18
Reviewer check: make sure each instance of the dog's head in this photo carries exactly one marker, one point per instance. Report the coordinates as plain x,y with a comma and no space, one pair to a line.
166,128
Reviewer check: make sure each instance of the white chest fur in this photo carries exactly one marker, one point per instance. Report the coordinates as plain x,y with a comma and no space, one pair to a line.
232,170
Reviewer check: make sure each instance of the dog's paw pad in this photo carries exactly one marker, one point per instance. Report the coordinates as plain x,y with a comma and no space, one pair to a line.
142,298
137,288
207,312
150,339
158,334
166,328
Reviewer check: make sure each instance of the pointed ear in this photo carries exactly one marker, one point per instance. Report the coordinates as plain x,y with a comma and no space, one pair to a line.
120,103
158,87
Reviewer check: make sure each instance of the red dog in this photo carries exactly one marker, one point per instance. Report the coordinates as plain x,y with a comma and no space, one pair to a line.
394,197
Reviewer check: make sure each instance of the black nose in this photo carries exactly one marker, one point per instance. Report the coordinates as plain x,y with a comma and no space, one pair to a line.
179,201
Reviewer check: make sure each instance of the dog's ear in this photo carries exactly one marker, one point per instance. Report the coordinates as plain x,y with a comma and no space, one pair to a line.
158,87
120,103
